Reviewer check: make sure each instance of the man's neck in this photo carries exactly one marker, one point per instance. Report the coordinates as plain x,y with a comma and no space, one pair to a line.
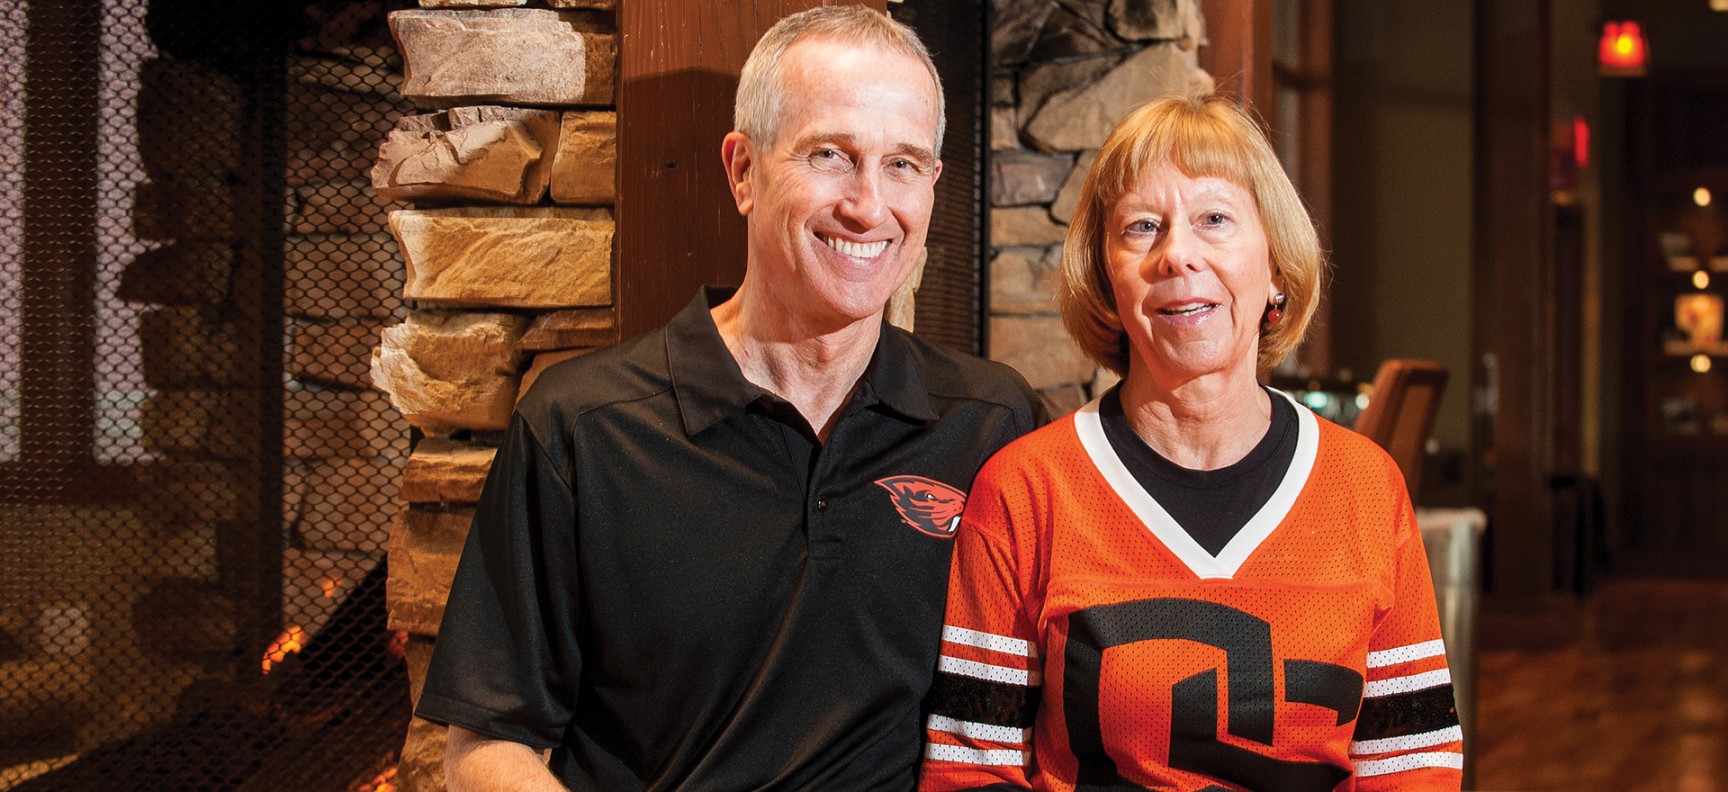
814,367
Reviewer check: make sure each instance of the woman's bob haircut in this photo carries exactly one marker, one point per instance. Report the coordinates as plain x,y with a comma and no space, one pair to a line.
1203,137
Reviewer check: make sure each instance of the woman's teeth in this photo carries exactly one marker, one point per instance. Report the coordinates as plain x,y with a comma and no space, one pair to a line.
1186,310
863,250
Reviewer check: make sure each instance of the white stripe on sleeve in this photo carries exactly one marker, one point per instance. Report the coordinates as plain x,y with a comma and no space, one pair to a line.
1406,742
960,753
1404,654
1399,764
987,672
1405,684
977,731
991,641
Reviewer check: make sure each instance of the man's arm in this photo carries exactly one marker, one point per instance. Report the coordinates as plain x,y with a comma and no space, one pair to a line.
474,762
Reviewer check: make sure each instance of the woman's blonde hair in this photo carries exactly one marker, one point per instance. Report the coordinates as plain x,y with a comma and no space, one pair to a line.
1204,137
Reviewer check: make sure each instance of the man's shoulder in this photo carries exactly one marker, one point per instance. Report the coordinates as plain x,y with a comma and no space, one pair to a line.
626,371
952,374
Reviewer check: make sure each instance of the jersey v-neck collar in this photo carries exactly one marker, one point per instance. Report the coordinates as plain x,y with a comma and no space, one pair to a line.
1165,528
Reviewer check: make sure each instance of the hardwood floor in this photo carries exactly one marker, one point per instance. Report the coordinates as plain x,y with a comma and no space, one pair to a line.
1633,695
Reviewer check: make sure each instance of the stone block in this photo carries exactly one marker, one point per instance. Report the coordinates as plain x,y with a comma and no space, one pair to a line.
337,354
1024,178
472,3
172,345
1040,349
184,273
441,470
191,208
487,153
585,169
1024,280
526,56
542,257
421,768
1038,83
1081,117
1014,28
1067,34
1024,225
1004,130
1069,196
339,207
192,490
345,504
321,423
417,656
1064,399
601,5
1157,20
425,545
178,420
316,582
334,135
190,120
543,361
451,371
1002,90
570,328
339,276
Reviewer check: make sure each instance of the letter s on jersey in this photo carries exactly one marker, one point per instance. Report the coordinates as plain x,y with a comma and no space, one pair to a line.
928,505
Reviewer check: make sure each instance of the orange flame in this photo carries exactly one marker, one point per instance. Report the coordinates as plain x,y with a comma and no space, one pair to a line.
290,641
383,782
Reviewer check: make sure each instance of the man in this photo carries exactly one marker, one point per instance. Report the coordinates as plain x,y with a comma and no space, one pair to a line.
713,557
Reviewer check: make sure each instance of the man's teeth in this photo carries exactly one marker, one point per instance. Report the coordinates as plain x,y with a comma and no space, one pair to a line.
1185,310
863,250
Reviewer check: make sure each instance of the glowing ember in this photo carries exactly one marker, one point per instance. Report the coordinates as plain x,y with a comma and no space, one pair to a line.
331,586
399,643
290,641
383,782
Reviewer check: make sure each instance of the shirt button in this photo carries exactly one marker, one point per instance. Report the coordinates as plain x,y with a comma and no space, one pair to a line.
822,505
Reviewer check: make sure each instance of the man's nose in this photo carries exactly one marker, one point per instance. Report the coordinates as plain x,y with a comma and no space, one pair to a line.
862,203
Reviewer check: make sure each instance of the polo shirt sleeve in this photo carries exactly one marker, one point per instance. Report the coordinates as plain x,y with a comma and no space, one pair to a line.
506,659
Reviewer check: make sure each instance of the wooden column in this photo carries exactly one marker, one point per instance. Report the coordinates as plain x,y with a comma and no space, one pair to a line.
678,72
1239,49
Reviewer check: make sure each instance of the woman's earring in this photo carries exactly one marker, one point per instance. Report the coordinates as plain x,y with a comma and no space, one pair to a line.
1276,310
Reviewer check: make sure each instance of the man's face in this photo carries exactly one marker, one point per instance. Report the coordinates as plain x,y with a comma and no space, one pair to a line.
839,203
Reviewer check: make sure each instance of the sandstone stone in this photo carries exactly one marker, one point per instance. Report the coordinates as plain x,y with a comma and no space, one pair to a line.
323,423
1004,130
1022,178
421,768
1040,349
1024,280
370,76
586,166
190,120
316,582
417,656
1082,117
192,208
472,3
1068,35
1069,197
1039,83
1148,20
451,371
424,547
177,420
1014,28
184,273
334,135
488,153
342,277
541,362
339,207
570,328
1104,379
337,354
1024,225
346,504
446,471
544,257
525,56
180,349
1002,90
595,4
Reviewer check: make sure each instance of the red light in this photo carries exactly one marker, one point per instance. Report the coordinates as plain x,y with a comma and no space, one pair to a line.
1580,142
1622,52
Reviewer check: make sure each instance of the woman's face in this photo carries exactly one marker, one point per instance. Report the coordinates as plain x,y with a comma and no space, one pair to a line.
1189,263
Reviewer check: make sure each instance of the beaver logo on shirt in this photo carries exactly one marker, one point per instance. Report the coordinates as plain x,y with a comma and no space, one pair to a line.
928,505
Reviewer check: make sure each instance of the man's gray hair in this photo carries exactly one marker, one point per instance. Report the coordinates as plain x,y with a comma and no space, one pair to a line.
757,110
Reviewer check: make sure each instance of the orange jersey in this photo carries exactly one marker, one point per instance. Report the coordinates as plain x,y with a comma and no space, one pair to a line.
1090,643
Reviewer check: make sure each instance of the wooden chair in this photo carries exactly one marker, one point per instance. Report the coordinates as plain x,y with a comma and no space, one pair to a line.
1401,411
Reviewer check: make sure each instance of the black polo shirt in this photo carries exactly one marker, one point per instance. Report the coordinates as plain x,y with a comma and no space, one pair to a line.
674,585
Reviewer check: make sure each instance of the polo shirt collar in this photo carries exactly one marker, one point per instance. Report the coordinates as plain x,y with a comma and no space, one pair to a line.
709,385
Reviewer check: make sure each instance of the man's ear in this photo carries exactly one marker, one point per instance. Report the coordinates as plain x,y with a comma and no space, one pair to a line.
739,157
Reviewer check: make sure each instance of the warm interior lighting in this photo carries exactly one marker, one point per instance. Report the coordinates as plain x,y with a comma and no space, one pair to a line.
1701,279
1719,5
290,641
1701,196
1622,52
1581,140
1701,364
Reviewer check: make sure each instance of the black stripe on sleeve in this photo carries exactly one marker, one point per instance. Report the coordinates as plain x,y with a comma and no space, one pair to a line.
1407,713
980,701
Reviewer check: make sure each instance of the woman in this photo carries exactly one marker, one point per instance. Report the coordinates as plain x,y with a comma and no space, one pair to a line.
1193,583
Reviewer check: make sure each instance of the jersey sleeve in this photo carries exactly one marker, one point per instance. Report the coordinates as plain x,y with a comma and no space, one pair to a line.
506,658
986,691
1407,734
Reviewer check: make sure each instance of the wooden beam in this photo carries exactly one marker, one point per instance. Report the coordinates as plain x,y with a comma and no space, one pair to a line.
1238,51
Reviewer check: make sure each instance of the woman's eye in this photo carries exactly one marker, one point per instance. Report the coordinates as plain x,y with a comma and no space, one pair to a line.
1217,218
1143,227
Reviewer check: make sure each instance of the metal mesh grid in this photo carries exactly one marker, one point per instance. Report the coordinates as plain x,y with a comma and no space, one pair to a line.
198,478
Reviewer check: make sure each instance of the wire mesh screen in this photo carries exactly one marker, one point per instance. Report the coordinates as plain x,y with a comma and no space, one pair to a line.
198,479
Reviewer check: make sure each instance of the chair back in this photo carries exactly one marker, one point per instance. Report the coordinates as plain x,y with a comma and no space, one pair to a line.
1401,411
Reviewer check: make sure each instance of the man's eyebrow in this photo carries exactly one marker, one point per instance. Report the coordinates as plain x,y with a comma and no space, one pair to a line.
833,138
923,155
